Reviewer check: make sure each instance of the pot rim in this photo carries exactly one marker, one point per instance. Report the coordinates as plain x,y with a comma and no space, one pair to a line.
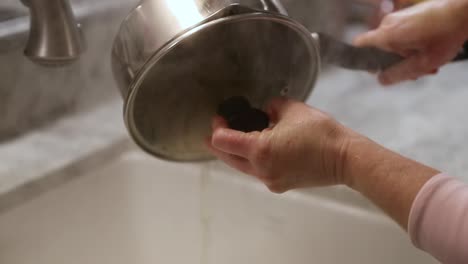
160,53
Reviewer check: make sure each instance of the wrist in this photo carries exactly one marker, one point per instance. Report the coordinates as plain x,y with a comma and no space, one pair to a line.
367,161
356,160
388,179
336,155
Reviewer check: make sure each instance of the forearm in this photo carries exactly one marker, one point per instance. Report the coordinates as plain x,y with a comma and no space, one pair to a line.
386,178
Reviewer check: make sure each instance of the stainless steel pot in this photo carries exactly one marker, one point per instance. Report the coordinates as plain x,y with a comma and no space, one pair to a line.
175,61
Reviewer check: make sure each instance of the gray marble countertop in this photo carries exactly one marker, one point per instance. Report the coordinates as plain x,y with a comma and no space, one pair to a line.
424,120
50,156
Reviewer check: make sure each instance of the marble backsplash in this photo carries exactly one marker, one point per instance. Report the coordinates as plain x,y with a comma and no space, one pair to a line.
329,16
31,95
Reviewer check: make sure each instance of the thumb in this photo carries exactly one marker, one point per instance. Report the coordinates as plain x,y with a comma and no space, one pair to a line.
278,108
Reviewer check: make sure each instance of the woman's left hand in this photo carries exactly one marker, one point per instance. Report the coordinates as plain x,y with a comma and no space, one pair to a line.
428,35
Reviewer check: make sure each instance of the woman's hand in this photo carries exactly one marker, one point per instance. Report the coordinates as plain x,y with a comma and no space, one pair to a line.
307,148
428,35
304,148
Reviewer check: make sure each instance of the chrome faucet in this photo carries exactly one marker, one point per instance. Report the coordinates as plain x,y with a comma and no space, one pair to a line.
55,38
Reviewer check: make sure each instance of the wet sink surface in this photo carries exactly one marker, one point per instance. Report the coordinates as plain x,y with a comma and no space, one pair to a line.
135,209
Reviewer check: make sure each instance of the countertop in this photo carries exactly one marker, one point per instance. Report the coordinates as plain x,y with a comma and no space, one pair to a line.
50,156
424,120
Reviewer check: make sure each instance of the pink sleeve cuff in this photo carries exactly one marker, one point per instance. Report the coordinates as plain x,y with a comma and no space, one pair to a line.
438,221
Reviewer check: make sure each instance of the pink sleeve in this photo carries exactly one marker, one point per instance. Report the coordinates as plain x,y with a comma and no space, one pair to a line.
438,222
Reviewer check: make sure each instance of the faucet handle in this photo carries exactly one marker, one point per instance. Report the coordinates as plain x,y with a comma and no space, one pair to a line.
55,38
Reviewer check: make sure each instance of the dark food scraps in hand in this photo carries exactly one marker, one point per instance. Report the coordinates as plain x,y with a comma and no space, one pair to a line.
233,106
241,116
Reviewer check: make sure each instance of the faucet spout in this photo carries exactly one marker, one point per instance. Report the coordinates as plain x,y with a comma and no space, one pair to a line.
55,37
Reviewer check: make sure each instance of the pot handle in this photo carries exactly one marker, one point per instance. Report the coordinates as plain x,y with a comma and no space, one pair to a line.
336,52
274,6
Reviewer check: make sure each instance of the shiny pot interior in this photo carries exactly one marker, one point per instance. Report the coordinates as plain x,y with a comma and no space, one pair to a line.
175,96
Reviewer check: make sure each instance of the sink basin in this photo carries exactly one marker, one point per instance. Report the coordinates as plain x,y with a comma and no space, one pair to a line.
135,209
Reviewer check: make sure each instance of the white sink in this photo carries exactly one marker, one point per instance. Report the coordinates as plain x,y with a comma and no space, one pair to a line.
135,209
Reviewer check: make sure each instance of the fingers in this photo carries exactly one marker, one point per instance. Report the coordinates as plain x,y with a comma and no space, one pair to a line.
234,142
245,144
218,122
410,69
365,39
379,39
372,38
233,161
418,61
230,146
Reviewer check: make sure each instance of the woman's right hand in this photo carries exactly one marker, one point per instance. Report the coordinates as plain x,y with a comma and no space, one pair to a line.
307,148
304,148
428,35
